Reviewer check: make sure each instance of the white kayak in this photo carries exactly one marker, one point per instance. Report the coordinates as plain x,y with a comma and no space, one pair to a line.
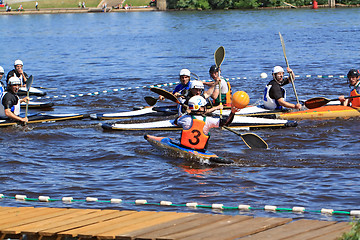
239,122
32,91
33,104
256,111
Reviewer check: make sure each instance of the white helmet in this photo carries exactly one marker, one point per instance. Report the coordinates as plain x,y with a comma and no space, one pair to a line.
18,62
185,72
196,102
14,81
277,69
1,69
196,84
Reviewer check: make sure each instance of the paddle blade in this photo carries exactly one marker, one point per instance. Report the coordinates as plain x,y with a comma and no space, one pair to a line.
254,141
29,83
316,102
150,100
219,56
166,94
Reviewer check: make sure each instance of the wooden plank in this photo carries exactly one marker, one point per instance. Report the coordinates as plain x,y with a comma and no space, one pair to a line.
80,221
335,232
37,214
291,229
35,227
203,220
196,230
150,232
20,213
119,222
240,229
90,224
158,218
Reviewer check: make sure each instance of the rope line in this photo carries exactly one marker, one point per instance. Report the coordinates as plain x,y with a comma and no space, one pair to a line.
240,207
162,85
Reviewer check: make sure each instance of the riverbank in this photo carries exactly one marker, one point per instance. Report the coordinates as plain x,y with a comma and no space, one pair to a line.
136,9
76,10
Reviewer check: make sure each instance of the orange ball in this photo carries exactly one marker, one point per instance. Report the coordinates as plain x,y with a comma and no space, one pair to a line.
240,99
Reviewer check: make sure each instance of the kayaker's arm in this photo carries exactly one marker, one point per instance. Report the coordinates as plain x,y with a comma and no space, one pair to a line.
230,118
283,103
11,115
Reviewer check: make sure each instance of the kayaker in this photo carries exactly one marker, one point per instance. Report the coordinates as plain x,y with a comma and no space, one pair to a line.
184,85
197,89
196,125
10,101
2,86
354,83
275,94
225,87
18,72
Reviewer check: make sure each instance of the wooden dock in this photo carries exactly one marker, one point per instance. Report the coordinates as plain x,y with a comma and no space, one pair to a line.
61,223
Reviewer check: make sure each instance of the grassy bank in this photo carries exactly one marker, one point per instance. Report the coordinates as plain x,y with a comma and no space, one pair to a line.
70,3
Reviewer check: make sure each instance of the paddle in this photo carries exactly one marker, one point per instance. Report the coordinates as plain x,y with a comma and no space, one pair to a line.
321,101
28,85
287,64
165,93
219,56
250,139
150,100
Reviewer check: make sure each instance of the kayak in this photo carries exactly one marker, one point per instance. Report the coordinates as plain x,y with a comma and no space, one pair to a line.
174,149
255,111
324,112
32,91
43,117
239,122
146,111
33,104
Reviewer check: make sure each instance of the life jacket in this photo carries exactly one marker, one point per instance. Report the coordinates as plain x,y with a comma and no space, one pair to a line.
2,88
15,109
270,103
225,98
355,102
194,137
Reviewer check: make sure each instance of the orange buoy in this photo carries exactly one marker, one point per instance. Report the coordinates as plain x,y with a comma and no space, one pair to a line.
240,99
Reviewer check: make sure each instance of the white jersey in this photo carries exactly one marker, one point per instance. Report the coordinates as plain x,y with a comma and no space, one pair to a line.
15,109
186,122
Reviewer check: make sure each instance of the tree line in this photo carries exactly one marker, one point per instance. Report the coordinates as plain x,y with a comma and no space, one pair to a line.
244,4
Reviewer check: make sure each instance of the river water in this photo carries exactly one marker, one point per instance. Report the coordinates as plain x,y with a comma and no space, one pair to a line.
314,165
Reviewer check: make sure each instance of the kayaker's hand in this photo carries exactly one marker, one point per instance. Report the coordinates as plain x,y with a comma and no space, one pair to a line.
234,109
342,98
25,119
298,106
25,99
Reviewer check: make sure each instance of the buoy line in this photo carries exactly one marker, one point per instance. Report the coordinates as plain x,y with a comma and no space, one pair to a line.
240,207
262,75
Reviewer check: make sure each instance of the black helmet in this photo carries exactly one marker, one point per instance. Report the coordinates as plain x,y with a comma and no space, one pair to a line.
353,73
213,68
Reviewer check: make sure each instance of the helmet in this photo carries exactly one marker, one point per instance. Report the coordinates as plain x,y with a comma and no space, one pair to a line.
213,68
196,102
196,84
1,69
18,62
353,73
14,81
277,69
185,72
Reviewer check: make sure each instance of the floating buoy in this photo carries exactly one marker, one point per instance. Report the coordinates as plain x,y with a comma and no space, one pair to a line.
240,99
263,75
315,5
